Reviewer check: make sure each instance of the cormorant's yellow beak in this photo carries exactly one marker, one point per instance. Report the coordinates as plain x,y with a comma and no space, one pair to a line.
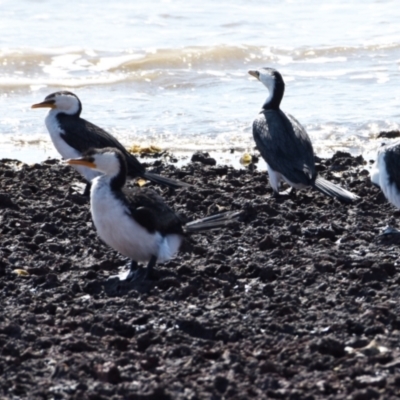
45,104
256,74
81,161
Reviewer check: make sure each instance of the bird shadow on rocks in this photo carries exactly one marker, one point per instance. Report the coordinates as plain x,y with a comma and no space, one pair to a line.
114,287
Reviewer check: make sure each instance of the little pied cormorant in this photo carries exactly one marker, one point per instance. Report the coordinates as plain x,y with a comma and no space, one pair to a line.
386,172
386,175
73,135
285,145
137,223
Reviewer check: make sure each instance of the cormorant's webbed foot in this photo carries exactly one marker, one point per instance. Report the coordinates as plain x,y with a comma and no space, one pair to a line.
286,193
127,275
136,277
136,273
139,274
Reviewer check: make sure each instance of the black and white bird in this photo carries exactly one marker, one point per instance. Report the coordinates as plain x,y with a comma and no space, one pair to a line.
137,223
285,145
385,174
73,135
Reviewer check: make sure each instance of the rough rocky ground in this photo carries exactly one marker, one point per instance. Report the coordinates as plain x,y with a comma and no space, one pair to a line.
300,301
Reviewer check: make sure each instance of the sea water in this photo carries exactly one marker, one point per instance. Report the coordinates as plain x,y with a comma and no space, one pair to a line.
174,73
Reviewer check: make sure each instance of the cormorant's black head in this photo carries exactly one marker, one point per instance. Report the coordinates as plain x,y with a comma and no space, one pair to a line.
109,160
63,101
273,80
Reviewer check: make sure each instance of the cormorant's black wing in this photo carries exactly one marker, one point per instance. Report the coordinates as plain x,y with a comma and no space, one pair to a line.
83,135
148,209
285,146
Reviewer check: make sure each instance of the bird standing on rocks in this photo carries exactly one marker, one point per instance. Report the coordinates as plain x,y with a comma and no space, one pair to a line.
137,223
386,175
73,135
386,172
285,145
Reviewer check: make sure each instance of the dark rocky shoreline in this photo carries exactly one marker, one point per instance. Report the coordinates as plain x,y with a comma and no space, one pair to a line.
300,301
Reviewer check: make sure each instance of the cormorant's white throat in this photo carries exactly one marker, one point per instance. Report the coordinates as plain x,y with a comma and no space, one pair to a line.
267,79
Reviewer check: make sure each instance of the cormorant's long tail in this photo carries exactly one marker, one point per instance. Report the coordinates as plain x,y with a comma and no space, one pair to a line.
164,181
213,222
332,190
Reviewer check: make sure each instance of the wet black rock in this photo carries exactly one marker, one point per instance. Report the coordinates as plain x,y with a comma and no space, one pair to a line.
299,301
389,134
203,158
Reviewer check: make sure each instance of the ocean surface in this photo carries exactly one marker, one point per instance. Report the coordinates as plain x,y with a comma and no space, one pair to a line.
174,73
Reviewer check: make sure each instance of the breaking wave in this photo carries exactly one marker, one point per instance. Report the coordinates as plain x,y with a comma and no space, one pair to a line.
75,67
